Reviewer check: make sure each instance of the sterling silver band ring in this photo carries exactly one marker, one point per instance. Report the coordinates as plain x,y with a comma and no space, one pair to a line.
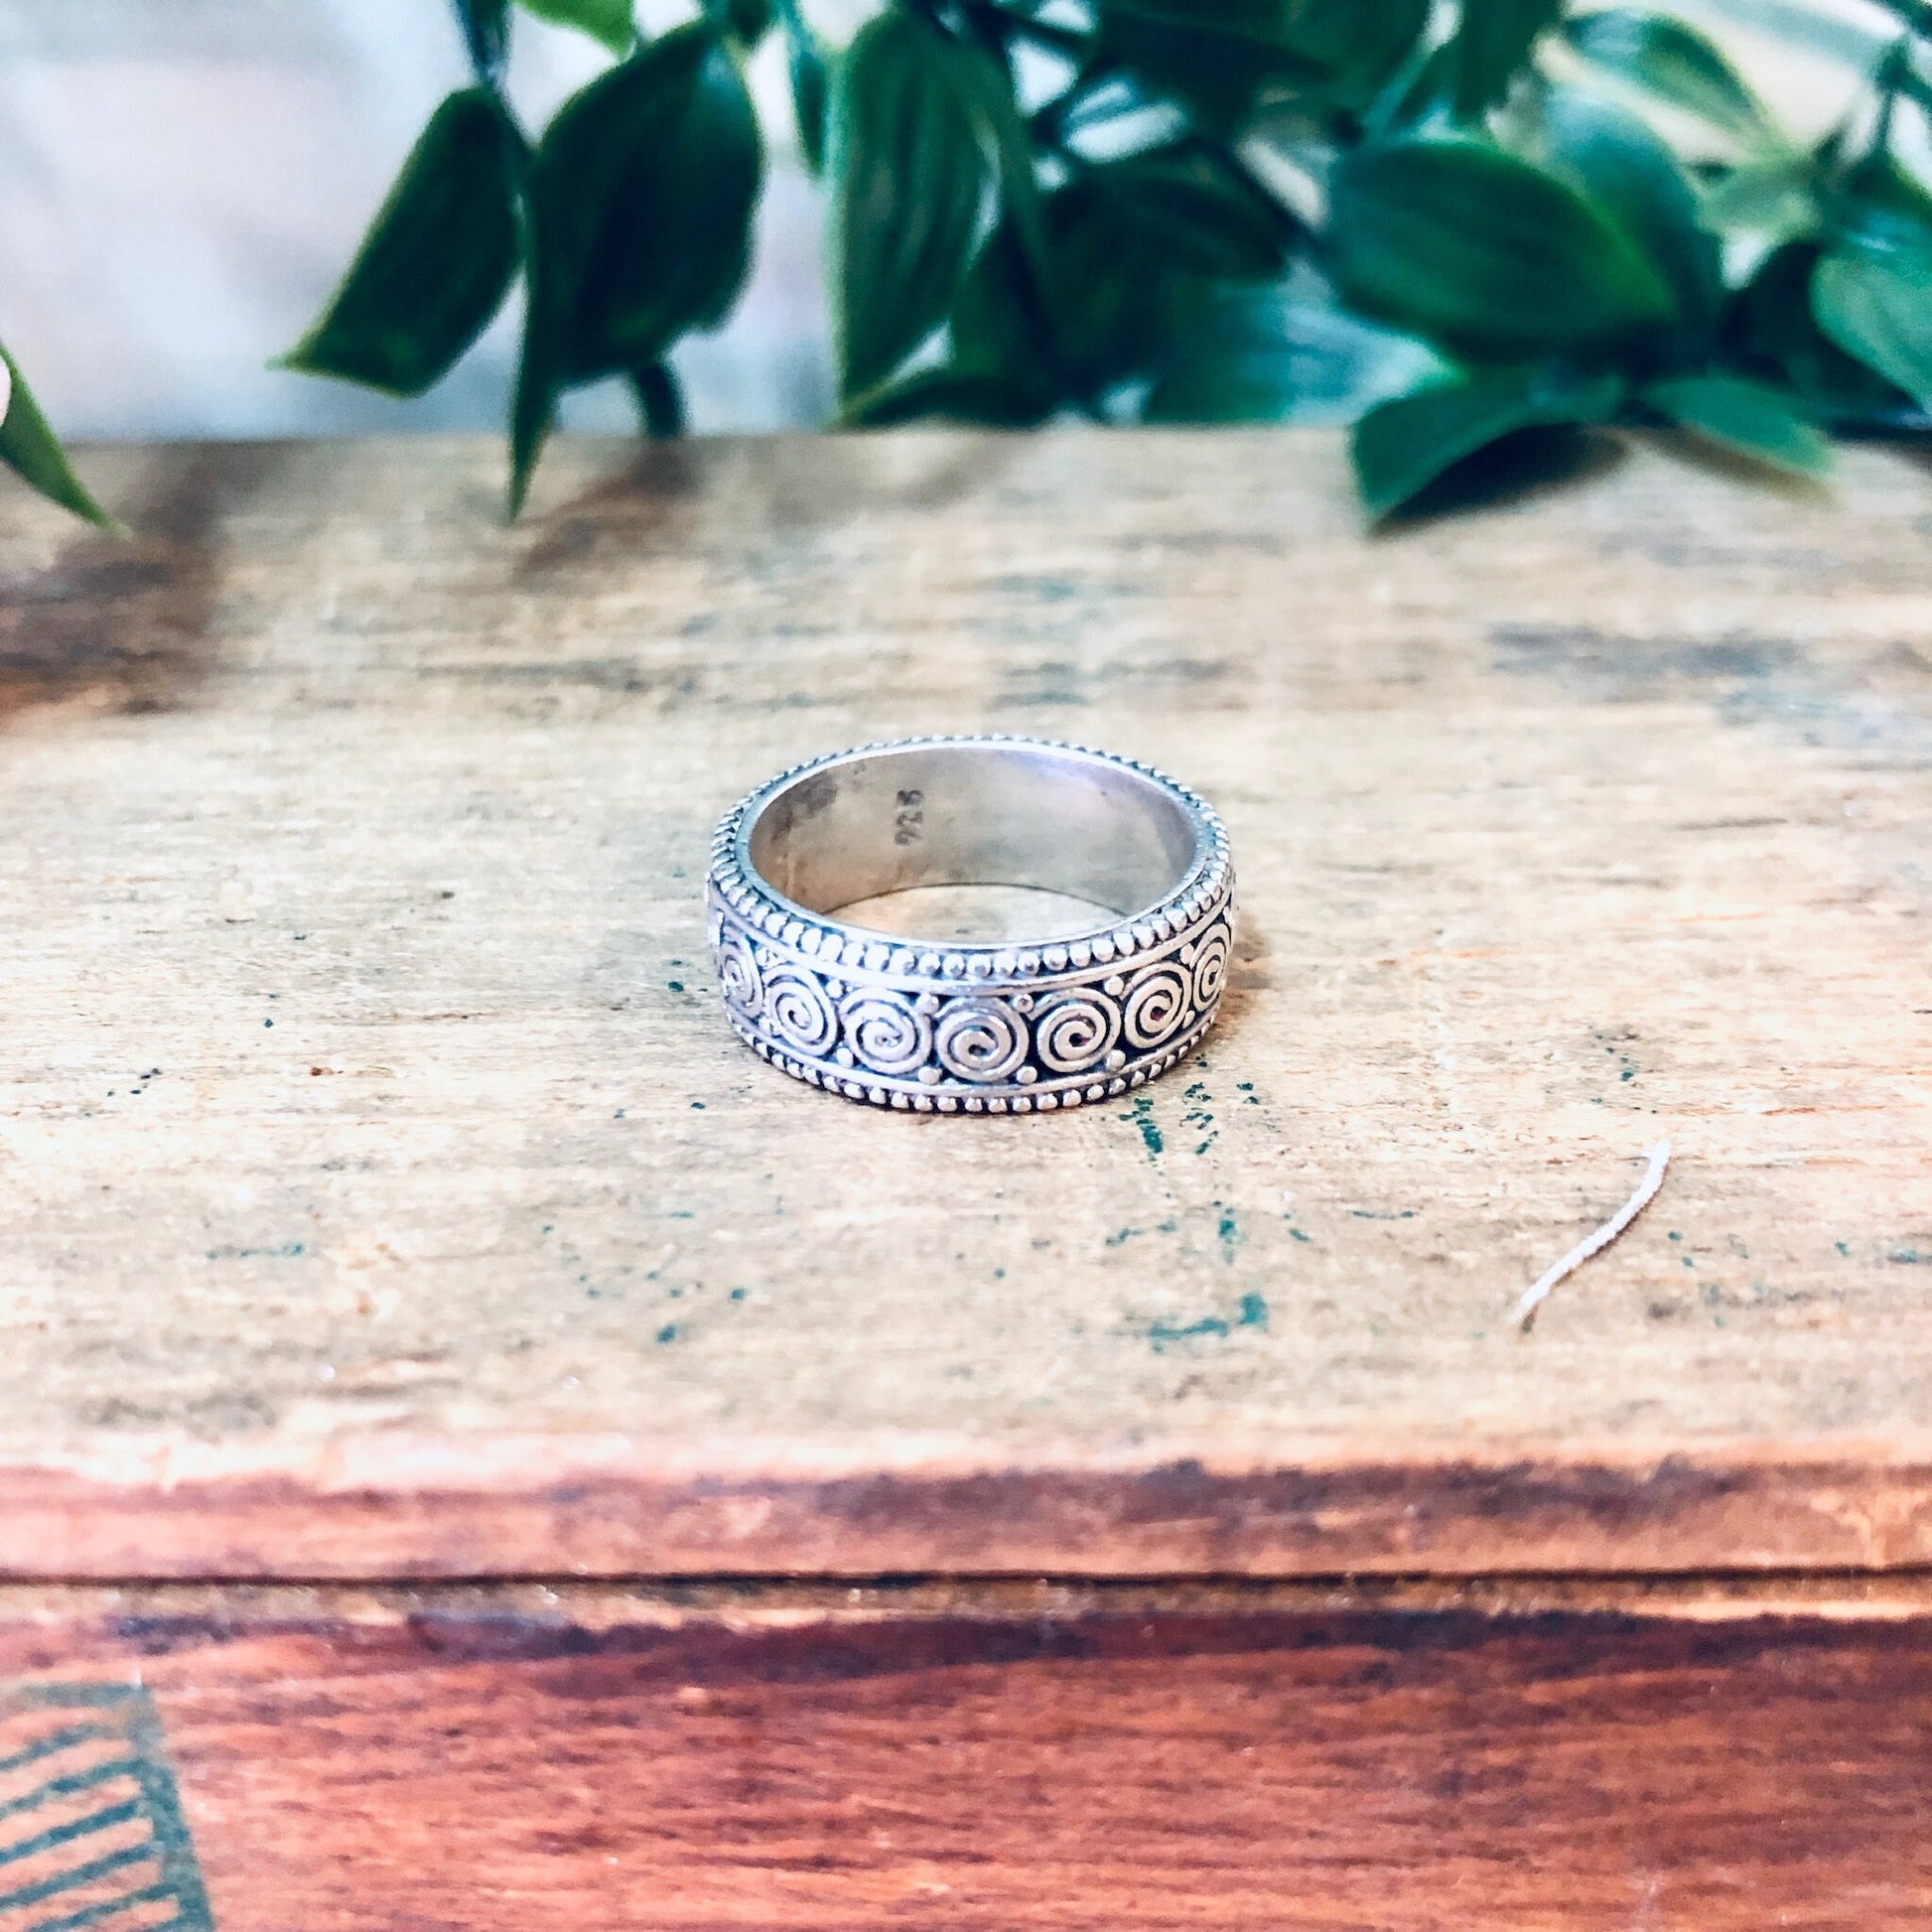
981,1025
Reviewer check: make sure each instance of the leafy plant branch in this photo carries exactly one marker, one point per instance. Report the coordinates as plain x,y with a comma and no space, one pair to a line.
1444,223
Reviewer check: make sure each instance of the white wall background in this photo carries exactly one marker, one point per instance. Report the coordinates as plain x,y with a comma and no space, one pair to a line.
182,182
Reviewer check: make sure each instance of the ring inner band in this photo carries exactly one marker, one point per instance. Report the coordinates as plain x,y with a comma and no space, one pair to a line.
1040,817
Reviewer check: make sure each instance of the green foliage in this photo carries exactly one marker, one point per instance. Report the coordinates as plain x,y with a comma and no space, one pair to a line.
911,162
1485,252
1492,41
1445,224
29,449
608,21
1408,443
436,264
1671,62
638,207
1745,417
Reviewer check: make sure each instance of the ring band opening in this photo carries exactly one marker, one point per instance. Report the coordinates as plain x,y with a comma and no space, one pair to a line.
1086,840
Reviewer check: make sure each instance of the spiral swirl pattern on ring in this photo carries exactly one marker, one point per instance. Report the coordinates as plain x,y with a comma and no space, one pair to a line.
1157,1003
739,978
1075,1033
1210,966
885,1032
796,1008
981,1039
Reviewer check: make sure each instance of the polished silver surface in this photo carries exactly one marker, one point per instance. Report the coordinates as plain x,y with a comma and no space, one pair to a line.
980,1025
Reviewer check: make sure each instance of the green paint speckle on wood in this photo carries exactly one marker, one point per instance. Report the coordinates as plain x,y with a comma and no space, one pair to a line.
1252,1313
1142,1115
1161,1333
1229,1230
669,1333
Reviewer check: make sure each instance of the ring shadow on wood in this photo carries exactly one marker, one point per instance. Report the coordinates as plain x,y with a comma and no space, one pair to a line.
124,622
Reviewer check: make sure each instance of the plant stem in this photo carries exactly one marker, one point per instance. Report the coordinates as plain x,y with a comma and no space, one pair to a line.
1066,40
1889,76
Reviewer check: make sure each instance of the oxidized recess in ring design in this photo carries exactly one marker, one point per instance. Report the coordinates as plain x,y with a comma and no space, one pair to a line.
984,1027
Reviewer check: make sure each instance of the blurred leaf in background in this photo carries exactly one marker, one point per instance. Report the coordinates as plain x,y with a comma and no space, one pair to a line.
437,263
1444,224
638,209
28,447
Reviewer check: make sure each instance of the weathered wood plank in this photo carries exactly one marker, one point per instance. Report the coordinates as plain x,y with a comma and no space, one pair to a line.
382,1195
483,1758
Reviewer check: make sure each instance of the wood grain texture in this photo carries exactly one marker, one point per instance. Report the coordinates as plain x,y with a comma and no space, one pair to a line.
479,1759
382,1194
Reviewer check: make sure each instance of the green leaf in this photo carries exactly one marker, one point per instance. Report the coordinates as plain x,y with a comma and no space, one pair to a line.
1671,62
809,90
541,367
1880,209
1121,284
1772,331
1218,56
1216,77
1627,171
1459,241
1492,46
436,263
1746,417
29,448
644,188
606,21
988,86
1357,46
1402,446
1878,309
950,394
1001,329
1774,201
1340,36
1286,354
1199,208
910,173
643,193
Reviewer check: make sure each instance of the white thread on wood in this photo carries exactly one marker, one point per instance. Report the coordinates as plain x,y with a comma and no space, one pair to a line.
1534,1298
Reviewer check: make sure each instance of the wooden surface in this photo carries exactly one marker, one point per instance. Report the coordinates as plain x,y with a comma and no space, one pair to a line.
1273,1758
380,1194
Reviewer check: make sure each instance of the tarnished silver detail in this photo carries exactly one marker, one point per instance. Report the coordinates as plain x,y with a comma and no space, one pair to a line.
992,1027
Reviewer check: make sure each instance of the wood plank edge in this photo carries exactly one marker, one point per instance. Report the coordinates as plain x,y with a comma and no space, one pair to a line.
546,1514
762,1603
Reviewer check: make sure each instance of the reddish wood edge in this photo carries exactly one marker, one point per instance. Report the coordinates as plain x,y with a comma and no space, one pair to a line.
1450,1517
464,1768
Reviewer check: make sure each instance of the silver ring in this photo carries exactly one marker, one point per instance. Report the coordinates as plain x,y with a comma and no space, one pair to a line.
988,1026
